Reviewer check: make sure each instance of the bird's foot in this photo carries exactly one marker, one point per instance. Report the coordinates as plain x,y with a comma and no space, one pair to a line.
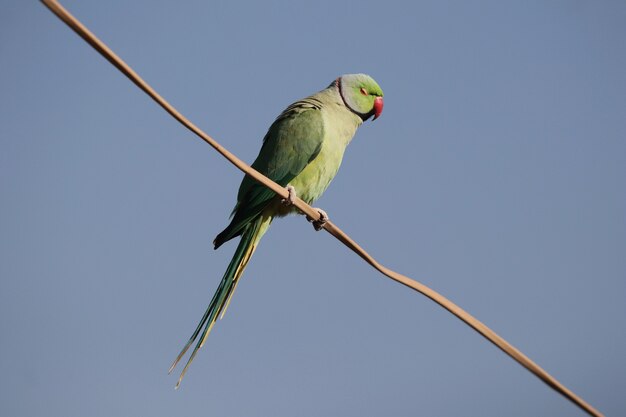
319,224
291,199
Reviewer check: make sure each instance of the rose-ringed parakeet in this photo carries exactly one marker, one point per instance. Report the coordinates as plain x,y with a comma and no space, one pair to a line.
302,151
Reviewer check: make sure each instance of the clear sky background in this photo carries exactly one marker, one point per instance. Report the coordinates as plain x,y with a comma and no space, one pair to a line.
496,175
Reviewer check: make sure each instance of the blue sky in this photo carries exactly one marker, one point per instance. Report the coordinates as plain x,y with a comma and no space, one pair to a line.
495,176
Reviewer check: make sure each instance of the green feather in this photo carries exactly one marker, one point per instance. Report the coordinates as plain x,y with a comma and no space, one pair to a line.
291,143
221,298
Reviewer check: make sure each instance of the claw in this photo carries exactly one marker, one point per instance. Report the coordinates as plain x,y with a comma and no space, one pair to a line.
319,224
291,199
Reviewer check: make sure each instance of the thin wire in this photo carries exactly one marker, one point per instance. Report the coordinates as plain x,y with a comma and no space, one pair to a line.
485,331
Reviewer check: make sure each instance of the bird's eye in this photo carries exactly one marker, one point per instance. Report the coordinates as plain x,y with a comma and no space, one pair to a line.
363,91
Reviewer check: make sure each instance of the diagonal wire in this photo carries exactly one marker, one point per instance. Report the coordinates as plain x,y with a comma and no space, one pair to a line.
467,318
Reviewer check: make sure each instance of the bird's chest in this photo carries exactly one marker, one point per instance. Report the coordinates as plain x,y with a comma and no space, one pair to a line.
311,183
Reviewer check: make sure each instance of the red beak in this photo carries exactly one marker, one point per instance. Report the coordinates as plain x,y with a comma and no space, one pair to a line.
378,107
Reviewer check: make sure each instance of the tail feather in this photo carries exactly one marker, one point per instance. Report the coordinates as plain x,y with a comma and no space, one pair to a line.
223,295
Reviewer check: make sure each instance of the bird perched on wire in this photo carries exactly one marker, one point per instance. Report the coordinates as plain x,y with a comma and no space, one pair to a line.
302,151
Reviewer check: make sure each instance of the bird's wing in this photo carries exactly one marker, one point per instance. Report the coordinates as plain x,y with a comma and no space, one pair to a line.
291,143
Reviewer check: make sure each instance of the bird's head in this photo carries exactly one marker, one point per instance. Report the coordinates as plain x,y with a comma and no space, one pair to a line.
361,94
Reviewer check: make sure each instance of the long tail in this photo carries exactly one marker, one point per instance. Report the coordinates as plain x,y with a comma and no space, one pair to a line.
221,299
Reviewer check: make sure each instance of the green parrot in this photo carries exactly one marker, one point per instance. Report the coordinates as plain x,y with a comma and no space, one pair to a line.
302,151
